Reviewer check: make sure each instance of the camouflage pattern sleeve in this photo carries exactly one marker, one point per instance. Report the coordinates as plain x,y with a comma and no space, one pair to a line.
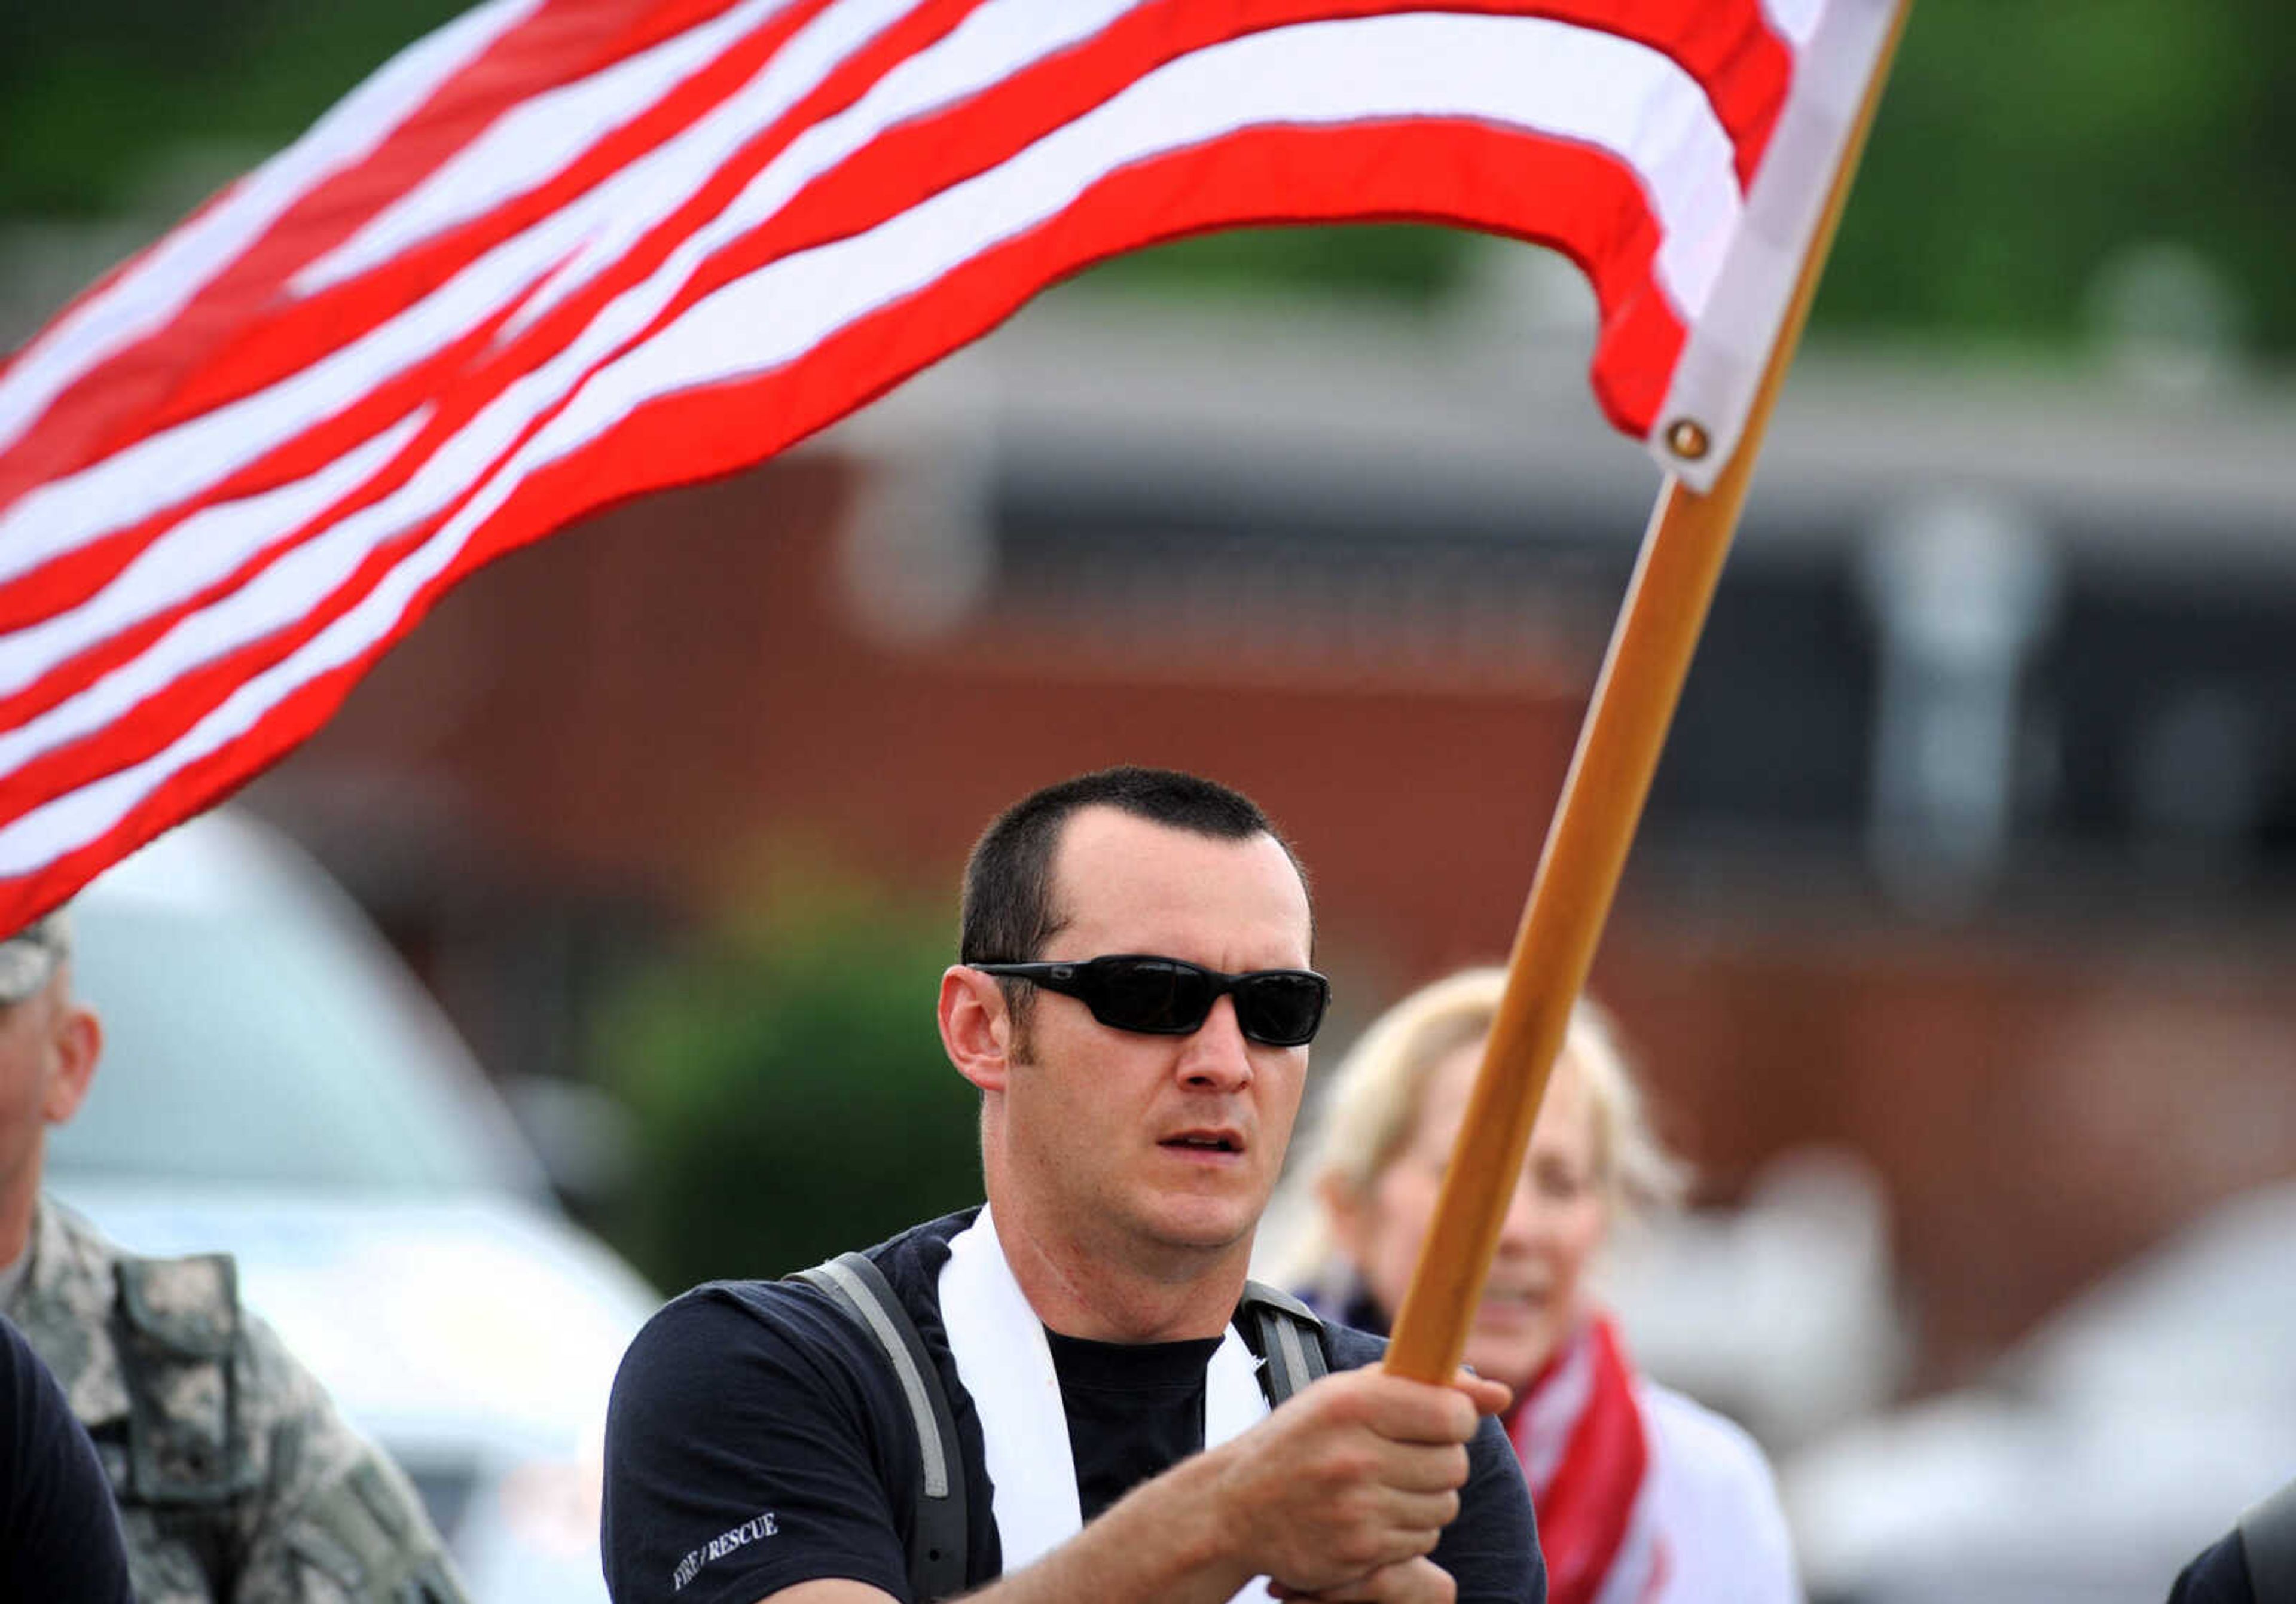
237,1480
332,1520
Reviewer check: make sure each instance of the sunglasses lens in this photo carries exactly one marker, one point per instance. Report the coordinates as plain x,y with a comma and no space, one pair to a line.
1283,1011
1151,994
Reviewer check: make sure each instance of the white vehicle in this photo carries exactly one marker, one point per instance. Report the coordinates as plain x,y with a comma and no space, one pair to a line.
276,1085
2117,1443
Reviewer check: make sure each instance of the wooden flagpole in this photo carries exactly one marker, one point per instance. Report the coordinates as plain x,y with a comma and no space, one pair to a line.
1618,746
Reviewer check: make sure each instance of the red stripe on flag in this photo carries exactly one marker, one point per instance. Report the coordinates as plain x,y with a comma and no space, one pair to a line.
914,161
119,399
1417,171
75,577
299,330
461,378
161,718
195,787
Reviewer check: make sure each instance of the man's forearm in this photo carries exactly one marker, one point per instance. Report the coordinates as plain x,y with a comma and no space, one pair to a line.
1163,1541
1354,1476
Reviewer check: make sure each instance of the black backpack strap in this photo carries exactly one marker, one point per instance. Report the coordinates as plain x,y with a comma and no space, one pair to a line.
2268,1541
1287,1335
940,1535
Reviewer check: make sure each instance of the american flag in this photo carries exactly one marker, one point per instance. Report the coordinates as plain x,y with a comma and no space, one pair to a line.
562,252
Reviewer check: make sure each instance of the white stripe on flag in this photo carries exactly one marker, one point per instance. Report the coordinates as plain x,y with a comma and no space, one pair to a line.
1530,73
154,290
197,552
72,820
537,138
176,466
992,44
184,463
1794,20
1726,352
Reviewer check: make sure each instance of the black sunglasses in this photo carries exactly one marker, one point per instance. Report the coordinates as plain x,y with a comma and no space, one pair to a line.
1169,997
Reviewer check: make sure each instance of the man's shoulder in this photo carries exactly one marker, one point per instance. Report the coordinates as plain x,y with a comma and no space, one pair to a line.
767,1324
280,1396
911,1262
116,1325
1352,1349
921,1249
776,1371
205,1415
70,1274
747,1394
65,1308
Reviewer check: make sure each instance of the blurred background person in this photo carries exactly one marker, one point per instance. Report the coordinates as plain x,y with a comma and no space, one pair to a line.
1642,1494
235,1478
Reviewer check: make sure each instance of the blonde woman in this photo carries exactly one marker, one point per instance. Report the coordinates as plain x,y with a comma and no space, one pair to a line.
1642,1494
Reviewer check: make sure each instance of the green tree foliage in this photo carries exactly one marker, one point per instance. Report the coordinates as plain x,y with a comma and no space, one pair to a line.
789,1093
94,92
2024,143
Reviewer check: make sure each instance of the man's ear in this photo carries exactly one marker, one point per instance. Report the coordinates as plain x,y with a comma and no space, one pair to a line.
976,1026
75,1042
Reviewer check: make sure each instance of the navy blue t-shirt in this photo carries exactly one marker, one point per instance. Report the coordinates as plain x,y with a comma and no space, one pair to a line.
756,1440
59,1532
1134,1410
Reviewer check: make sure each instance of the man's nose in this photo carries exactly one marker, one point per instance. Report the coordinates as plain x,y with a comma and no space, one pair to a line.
1217,1057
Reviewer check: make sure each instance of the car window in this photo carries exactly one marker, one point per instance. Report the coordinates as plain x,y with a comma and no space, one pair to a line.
268,1051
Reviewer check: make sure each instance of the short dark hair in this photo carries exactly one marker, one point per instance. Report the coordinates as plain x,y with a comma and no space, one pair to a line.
1007,915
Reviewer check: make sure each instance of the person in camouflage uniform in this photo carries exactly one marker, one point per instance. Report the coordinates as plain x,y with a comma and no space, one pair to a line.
237,1481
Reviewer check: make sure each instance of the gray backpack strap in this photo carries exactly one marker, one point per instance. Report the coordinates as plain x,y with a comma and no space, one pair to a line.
2267,1540
941,1538
1285,1333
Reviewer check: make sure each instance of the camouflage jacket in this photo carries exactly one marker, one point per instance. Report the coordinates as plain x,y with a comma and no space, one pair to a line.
237,1480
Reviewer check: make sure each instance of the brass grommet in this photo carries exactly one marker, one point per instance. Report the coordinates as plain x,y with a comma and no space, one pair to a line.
1687,438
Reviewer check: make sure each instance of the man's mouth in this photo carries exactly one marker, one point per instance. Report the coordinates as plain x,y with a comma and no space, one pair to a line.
1205,1142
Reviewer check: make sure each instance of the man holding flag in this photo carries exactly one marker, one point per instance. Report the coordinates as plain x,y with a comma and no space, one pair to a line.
1135,1004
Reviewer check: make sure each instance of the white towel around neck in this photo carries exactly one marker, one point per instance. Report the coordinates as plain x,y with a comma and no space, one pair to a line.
1005,1363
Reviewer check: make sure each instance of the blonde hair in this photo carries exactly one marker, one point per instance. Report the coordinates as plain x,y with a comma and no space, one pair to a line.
1372,1106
